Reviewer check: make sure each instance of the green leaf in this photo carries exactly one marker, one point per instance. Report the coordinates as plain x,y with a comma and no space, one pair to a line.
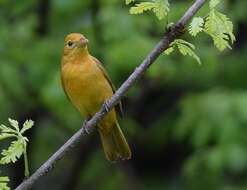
5,129
180,41
196,26
187,50
213,3
141,7
6,135
27,125
227,25
220,42
17,147
161,8
184,47
169,50
220,28
129,1
4,179
4,183
14,152
14,124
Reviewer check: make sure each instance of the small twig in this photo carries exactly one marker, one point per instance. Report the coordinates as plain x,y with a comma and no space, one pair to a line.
162,45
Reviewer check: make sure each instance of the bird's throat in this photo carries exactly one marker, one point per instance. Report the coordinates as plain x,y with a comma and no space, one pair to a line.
76,57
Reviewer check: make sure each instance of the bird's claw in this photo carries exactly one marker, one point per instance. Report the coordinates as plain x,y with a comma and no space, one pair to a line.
85,126
86,130
106,105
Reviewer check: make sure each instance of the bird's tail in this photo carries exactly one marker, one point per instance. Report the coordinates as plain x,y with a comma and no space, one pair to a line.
114,144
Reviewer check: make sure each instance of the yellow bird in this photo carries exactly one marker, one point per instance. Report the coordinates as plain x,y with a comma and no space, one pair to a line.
88,86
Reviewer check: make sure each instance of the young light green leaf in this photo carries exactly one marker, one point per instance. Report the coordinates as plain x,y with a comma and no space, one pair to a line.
25,140
161,8
213,3
220,42
5,129
27,125
4,179
129,1
141,7
6,135
4,183
17,147
169,50
227,25
220,28
14,124
180,41
184,47
187,50
14,152
196,26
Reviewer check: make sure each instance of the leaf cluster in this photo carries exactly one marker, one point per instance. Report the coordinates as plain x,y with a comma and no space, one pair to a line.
159,7
215,24
18,146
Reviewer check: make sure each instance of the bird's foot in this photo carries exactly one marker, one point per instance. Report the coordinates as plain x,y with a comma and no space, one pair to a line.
87,130
85,126
106,106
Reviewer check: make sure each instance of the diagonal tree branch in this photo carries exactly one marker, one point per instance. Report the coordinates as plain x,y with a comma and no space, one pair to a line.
174,32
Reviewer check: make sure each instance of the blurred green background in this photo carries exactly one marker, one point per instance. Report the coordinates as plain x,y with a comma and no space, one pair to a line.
186,124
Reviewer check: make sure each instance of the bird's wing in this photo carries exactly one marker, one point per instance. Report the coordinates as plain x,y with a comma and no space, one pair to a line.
64,89
118,107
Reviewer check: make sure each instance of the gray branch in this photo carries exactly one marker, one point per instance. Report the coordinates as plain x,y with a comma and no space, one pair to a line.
173,33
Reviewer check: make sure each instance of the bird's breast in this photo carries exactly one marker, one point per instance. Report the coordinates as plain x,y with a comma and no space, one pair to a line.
84,86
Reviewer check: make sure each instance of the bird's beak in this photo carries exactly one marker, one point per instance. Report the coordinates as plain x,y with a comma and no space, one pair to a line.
82,42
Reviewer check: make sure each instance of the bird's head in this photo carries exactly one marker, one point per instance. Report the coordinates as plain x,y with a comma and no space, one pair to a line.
75,43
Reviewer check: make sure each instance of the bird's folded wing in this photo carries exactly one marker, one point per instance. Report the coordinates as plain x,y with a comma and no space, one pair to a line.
118,107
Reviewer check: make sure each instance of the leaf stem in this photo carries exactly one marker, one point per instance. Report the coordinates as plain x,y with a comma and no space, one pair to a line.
26,161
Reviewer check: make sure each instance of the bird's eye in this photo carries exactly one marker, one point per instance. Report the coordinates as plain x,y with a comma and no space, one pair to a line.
70,44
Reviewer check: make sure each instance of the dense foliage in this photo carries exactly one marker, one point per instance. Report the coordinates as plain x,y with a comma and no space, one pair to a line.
186,122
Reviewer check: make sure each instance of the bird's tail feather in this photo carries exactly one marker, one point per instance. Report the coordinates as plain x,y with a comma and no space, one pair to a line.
114,144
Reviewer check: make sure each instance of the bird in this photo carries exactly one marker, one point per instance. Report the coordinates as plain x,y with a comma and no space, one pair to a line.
88,86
